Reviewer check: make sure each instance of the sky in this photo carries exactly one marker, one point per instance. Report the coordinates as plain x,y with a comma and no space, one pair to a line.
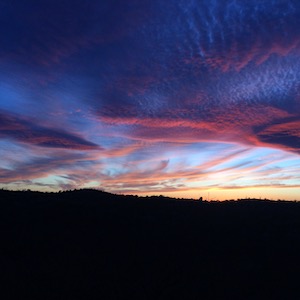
182,98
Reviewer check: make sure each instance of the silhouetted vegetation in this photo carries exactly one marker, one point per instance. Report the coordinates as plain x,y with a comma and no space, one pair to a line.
87,244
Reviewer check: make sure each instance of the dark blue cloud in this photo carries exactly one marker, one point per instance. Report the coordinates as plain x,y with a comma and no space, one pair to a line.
14,127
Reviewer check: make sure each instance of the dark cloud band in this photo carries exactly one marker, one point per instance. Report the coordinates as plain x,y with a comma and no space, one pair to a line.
17,128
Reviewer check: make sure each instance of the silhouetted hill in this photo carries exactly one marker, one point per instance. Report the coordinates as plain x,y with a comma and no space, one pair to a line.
88,244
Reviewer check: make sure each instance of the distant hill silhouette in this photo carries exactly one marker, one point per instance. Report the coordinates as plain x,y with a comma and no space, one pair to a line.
88,244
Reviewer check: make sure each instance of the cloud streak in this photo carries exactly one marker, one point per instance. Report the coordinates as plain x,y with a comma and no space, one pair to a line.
25,131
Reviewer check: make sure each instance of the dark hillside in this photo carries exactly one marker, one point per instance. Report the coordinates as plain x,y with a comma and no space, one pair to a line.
94,245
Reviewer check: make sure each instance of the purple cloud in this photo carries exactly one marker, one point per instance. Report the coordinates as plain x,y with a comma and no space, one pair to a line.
25,131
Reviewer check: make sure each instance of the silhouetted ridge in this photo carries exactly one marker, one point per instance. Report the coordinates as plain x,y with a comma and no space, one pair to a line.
89,244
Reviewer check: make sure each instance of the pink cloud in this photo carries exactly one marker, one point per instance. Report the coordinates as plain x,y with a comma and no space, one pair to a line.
289,128
234,124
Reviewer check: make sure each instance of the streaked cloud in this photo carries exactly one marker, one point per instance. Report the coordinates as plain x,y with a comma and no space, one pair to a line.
22,130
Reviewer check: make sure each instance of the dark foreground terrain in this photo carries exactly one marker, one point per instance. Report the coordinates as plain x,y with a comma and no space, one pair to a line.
94,245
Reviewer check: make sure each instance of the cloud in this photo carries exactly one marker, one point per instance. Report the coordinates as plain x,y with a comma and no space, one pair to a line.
55,31
44,162
289,128
285,134
236,123
214,70
25,131
233,34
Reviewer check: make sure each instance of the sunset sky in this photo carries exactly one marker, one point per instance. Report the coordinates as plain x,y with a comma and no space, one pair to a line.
183,98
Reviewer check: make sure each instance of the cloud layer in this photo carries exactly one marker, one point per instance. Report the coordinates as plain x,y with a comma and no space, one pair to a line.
135,87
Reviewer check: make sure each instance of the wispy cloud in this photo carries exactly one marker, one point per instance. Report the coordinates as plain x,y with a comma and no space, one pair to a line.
26,131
